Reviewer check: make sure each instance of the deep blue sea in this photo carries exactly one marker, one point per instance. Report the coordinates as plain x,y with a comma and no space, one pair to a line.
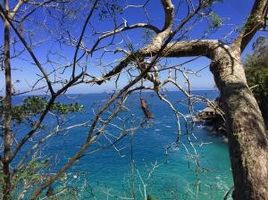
146,161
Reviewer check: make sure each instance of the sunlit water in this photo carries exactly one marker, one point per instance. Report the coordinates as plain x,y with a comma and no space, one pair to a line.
176,173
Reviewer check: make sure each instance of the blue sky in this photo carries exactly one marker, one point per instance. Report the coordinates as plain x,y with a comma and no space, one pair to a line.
233,13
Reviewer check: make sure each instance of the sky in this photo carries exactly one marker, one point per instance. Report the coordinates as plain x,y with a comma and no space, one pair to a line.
43,27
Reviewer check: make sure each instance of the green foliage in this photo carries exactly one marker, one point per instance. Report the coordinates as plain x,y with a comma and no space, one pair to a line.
66,108
256,66
34,173
27,176
35,105
215,21
30,173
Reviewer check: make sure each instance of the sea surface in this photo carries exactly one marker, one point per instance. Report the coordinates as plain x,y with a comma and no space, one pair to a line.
147,161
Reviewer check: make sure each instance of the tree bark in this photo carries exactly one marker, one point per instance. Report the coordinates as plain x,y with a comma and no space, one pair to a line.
248,145
248,140
263,103
7,111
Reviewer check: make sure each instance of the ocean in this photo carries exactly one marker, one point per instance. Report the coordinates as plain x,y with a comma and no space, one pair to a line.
145,162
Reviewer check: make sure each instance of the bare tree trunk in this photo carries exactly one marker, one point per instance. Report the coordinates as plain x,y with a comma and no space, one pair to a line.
248,143
264,109
7,111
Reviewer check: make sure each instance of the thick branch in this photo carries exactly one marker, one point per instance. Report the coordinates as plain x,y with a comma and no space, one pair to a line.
7,122
191,48
169,13
159,39
16,8
30,51
255,21
156,43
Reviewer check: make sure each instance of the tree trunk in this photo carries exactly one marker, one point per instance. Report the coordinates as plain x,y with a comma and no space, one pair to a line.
7,112
264,109
248,145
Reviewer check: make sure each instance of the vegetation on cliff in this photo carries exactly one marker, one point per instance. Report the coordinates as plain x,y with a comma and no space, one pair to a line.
256,66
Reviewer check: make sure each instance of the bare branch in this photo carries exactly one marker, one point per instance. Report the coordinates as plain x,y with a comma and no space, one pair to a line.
81,36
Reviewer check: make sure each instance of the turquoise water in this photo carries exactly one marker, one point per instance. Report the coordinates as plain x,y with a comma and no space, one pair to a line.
141,163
